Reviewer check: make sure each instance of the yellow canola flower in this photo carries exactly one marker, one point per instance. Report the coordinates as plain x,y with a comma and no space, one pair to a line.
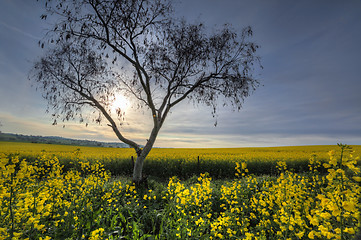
300,234
311,235
96,234
336,212
349,206
15,160
349,230
17,235
326,165
357,179
249,236
199,221
46,238
244,165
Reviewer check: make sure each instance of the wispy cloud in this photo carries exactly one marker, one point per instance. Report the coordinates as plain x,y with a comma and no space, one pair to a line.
18,30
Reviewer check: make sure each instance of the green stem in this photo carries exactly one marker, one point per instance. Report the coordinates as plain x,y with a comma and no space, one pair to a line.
342,188
11,207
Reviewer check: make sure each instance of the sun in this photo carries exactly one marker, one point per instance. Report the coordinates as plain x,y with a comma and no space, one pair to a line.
120,102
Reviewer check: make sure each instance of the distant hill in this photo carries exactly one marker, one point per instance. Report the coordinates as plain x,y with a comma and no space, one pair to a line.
10,137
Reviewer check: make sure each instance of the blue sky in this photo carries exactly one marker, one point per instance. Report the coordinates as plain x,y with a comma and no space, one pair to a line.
311,91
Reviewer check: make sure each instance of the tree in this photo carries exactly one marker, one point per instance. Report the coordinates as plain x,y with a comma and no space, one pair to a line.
99,47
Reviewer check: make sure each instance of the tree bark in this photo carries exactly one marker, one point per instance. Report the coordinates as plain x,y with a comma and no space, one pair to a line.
138,169
138,166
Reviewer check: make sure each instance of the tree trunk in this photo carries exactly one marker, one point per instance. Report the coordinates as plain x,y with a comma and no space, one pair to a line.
138,166
138,169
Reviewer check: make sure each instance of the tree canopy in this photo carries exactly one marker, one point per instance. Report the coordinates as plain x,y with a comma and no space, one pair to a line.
98,48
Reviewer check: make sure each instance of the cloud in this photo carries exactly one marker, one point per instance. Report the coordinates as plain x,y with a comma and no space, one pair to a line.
18,30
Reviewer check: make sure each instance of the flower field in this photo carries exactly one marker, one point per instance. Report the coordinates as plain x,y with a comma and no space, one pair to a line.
40,199
163,163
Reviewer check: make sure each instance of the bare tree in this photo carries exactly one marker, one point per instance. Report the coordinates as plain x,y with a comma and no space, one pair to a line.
98,47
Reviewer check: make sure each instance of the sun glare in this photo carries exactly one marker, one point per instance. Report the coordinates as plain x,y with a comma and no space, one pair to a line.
120,102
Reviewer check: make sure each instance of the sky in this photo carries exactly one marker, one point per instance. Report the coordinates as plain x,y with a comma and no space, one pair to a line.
311,78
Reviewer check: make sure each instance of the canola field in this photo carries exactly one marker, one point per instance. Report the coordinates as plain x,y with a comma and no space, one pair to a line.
165,163
40,200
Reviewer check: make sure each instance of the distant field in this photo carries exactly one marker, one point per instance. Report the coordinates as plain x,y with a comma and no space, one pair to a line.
248,153
182,162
